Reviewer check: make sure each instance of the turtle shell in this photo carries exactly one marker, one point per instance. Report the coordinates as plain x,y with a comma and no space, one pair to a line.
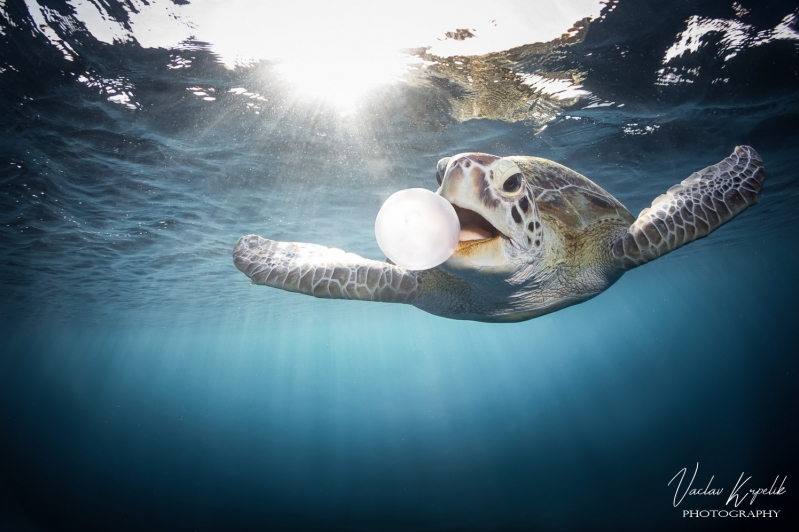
571,199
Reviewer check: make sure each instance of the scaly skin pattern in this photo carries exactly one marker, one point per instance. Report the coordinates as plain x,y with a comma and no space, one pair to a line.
331,273
692,209
556,239
323,272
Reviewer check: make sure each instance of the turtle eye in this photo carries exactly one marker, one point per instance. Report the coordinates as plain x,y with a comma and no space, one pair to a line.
512,184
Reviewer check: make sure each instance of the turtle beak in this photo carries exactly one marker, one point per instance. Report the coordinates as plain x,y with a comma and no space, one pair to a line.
480,246
474,227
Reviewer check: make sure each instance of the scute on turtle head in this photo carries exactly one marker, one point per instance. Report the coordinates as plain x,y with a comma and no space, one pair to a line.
565,197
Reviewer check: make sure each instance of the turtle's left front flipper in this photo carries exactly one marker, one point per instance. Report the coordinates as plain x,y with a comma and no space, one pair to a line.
692,209
323,272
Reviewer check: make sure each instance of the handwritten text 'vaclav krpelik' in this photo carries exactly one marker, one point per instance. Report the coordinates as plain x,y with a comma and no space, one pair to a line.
737,496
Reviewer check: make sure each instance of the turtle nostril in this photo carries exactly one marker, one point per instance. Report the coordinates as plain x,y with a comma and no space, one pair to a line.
512,184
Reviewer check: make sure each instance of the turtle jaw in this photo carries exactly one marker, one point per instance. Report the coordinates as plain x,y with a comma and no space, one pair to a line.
481,248
475,229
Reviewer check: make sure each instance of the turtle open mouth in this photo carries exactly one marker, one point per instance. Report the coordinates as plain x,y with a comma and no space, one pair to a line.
474,227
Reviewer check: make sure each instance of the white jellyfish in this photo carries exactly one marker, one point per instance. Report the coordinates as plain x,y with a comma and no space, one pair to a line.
417,229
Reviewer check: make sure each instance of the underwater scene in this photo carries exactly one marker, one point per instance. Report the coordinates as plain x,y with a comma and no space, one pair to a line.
549,375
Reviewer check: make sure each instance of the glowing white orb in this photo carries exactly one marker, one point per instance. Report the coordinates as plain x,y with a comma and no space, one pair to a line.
417,229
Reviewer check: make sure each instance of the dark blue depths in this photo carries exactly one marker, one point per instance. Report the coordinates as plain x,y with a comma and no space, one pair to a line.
144,385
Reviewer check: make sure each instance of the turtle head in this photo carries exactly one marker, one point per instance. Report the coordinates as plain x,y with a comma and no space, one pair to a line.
500,226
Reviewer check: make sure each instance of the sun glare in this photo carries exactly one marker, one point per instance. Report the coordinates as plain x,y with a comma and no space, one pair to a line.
342,76
338,52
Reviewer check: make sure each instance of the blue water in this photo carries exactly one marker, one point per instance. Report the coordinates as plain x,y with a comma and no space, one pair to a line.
145,385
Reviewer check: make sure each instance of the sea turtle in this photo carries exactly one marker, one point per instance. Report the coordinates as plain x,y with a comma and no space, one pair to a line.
535,237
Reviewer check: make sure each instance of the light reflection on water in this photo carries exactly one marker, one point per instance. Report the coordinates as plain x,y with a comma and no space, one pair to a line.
333,52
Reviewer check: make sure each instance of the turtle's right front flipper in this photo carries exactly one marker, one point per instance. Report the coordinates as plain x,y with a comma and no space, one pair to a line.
692,209
323,272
